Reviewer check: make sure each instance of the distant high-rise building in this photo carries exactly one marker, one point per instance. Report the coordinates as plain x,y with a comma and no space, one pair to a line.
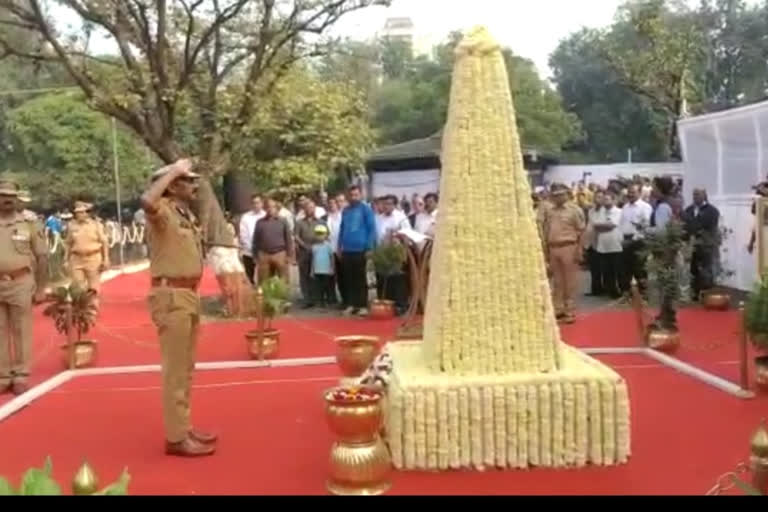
403,30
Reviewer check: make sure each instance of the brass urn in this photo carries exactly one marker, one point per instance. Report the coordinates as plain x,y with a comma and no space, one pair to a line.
360,462
663,340
85,482
84,353
382,309
354,354
716,300
758,460
264,345
761,372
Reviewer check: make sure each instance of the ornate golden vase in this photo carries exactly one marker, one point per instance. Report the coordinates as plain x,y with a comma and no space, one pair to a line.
360,462
263,346
382,309
663,340
758,460
354,354
84,354
716,300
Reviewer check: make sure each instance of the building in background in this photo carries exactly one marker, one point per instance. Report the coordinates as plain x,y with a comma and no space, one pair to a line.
403,30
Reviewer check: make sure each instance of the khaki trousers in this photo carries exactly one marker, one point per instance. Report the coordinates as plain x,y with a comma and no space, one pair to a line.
176,314
85,271
273,264
565,277
16,329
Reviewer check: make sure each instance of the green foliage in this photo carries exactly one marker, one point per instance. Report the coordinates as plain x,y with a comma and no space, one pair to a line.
756,312
630,82
613,118
277,294
40,482
84,310
389,258
663,249
65,150
412,100
301,134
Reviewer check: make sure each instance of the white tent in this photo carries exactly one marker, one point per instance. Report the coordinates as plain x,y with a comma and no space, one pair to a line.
726,153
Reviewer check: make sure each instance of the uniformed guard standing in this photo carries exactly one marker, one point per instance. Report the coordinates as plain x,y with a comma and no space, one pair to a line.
176,266
24,199
23,277
563,228
87,248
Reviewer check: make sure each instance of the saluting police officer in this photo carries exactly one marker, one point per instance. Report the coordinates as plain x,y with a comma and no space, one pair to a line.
176,266
87,248
23,276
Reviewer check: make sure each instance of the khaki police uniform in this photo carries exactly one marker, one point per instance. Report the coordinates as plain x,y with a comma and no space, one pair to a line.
22,242
86,242
176,266
563,227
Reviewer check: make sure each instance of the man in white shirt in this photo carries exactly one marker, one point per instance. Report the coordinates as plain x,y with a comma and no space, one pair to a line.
245,234
609,243
424,222
389,222
635,218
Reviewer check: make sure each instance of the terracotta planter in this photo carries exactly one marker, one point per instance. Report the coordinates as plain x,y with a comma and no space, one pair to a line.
382,309
265,346
716,300
359,463
663,340
761,372
354,354
85,353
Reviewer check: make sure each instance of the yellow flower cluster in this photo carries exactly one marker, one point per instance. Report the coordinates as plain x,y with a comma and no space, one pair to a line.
574,417
489,308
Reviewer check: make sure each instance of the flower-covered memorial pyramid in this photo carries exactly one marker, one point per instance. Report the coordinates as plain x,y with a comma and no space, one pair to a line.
491,383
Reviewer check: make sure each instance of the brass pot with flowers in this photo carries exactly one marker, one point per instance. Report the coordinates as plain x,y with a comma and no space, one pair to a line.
388,261
756,325
73,310
360,462
271,301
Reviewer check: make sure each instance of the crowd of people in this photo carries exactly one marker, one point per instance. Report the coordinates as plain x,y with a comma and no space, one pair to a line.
330,240
606,230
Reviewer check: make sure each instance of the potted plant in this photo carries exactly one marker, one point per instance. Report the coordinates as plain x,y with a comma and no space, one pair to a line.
271,300
717,298
78,352
756,325
388,260
665,272
40,482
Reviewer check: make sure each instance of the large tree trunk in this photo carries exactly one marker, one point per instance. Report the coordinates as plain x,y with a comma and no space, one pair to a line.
237,193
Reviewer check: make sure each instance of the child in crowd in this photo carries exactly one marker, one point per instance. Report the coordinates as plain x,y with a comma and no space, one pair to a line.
323,267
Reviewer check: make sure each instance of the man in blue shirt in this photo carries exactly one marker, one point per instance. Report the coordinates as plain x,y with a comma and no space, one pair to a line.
357,238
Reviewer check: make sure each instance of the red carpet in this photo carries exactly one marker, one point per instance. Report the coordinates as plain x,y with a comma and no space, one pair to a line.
684,436
274,437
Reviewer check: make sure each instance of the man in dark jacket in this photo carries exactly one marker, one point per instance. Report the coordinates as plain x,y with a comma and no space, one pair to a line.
702,226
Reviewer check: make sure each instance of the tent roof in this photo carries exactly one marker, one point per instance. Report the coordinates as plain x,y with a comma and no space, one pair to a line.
426,148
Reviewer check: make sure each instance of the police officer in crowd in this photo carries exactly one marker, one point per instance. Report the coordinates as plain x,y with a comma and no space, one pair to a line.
23,276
